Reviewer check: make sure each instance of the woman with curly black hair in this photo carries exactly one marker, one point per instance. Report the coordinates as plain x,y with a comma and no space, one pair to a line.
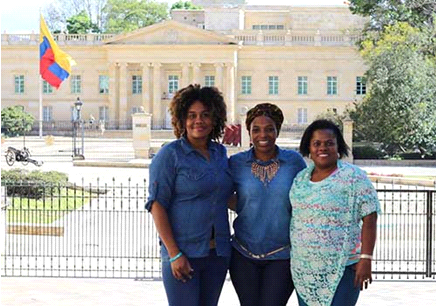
188,192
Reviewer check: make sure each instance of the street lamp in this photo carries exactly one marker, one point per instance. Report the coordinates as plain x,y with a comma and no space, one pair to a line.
77,123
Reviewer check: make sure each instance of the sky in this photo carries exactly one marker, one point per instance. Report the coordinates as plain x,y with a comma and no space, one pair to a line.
22,16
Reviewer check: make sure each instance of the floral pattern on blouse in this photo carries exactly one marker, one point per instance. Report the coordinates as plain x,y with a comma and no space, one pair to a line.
325,228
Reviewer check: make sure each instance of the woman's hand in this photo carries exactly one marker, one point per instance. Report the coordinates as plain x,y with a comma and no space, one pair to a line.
363,273
182,269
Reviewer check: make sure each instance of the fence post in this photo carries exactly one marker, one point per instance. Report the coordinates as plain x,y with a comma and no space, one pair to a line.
429,233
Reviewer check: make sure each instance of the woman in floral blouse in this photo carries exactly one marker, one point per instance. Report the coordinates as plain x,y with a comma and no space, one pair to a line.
333,224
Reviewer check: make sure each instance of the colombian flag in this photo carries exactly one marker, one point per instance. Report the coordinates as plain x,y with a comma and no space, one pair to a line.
54,64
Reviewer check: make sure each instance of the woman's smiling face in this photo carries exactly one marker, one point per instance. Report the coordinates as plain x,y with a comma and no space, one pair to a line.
263,134
324,148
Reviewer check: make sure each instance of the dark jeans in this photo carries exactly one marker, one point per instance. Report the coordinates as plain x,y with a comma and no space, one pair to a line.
346,293
261,282
204,288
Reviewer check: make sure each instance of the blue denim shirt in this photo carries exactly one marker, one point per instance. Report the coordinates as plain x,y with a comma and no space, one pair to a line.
194,192
263,210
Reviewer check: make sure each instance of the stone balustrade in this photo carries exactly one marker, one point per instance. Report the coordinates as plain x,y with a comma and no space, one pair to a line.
245,37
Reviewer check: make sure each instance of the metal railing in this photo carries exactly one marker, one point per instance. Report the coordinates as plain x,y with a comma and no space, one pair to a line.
103,231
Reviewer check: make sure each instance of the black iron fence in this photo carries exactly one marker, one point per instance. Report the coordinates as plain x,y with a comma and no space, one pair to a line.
102,230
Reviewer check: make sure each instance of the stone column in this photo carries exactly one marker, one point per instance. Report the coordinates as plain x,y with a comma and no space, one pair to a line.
196,73
141,134
348,125
317,38
145,98
219,76
245,138
112,108
184,78
122,114
156,110
230,92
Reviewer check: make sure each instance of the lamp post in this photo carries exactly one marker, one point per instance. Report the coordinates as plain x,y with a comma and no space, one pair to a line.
77,124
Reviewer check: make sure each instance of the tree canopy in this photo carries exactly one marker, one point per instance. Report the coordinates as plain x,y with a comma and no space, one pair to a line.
81,23
185,5
107,16
129,15
399,109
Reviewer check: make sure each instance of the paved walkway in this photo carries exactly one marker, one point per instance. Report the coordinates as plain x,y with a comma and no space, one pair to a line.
25,291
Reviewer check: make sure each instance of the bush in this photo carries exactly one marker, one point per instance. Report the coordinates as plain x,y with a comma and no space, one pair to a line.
15,120
367,152
35,184
415,155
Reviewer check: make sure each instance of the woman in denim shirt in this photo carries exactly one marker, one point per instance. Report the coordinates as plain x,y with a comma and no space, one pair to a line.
190,185
262,176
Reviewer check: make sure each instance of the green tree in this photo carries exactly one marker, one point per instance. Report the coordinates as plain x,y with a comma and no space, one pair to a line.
399,108
15,120
185,5
81,23
129,15
57,12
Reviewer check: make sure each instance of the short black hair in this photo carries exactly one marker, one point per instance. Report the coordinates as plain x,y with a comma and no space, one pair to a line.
304,147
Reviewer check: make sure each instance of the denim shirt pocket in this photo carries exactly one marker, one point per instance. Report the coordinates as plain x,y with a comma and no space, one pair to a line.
192,182
193,174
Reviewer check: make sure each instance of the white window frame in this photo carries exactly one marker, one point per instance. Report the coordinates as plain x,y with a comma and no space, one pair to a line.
47,88
209,81
103,84
246,84
173,84
332,84
19,84
302,85
104,113
302,115
76,84
273,85
360,86
137,84
47,113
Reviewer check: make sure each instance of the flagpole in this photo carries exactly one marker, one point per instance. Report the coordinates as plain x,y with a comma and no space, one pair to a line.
40,106
40,85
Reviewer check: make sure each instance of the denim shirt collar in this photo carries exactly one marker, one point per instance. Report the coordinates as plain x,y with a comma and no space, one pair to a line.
188,148
251,155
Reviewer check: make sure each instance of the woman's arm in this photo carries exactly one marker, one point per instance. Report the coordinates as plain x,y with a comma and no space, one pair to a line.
363,274
181,268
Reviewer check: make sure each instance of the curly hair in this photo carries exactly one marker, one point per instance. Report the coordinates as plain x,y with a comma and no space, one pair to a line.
210,97
304,147
269,110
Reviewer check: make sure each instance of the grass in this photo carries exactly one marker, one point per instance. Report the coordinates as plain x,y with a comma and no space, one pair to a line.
46,210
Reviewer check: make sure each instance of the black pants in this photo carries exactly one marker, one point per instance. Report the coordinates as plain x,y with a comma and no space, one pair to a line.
261,283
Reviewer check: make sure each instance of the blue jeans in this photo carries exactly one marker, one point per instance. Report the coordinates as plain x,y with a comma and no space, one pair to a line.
261,282
346,293
204,288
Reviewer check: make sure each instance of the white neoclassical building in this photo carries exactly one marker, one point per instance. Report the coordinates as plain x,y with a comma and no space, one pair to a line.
302,58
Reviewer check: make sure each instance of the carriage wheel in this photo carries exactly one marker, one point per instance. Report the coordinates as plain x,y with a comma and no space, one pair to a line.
25,156
10,158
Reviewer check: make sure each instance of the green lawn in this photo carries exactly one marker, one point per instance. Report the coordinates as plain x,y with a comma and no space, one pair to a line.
46,210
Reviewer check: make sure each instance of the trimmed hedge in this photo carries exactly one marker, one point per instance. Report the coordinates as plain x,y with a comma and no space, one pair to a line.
35,184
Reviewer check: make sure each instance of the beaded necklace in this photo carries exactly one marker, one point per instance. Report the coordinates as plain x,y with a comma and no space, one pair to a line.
265,173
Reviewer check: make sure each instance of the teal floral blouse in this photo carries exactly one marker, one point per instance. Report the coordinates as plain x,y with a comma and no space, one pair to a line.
325,228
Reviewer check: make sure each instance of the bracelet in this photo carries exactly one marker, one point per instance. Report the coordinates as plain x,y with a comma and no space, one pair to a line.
176,257
365,256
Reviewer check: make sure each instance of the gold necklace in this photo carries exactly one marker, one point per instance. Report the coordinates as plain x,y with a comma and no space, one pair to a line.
265,173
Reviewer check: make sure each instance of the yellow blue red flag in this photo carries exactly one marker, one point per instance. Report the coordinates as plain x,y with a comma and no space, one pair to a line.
54,64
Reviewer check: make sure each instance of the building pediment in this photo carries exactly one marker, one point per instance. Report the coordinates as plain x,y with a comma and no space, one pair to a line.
169,33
